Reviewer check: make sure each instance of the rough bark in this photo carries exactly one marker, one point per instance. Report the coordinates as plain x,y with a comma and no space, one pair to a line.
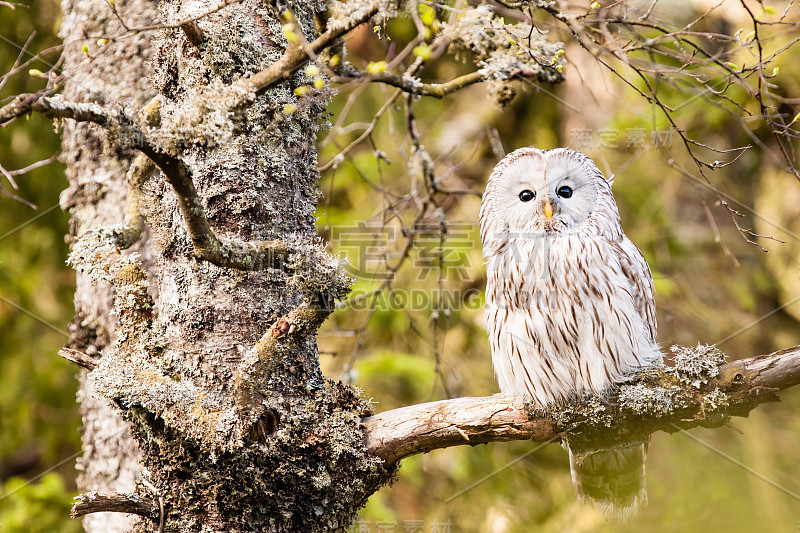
212,358
95,198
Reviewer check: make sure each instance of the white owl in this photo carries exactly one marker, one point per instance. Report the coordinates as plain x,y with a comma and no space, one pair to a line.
569,298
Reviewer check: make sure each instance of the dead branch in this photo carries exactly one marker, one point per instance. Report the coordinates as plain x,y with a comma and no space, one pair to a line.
79,358
115,502
229,253
194,33
739,387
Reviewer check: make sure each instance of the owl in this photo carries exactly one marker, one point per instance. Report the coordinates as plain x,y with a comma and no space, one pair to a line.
570,301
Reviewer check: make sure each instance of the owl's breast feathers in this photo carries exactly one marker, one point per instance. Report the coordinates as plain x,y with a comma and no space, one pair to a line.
568,314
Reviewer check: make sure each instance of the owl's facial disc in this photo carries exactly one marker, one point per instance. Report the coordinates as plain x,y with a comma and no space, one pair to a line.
543,191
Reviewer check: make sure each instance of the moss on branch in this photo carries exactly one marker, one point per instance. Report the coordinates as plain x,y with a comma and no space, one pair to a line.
298,53
698,392
292,256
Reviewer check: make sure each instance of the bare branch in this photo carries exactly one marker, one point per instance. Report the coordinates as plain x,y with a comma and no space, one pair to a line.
22,52
412,85
743,384
115,502
19,199
759,96
34,166
52,75
599,41
366,133
9,176
79,358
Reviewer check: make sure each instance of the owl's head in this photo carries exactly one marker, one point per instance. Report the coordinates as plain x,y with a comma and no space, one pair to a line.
534,191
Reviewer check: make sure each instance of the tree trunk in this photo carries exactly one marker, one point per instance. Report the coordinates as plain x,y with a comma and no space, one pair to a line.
233,434
96,198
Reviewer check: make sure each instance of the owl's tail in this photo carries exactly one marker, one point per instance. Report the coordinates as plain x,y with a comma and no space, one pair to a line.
611,478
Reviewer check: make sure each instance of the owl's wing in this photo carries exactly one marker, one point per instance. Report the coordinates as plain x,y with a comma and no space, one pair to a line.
635,268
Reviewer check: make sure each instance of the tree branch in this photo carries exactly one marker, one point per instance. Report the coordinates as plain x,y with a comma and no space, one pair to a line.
297,54
285,335
413,85
631,413
244,255
79,358
115,502
51,107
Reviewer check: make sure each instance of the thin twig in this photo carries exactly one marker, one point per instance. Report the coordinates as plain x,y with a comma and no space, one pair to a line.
296,55
411,85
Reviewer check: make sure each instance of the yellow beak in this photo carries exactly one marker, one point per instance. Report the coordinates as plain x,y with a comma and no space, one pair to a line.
548,209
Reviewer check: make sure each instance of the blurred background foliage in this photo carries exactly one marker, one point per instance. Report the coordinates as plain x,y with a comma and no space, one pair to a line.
713,286
39,418
421,336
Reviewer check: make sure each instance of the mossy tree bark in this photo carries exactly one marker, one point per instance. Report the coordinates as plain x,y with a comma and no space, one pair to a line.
95,198
224,426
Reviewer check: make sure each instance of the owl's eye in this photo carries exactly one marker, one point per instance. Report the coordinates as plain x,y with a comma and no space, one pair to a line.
564,192
527,195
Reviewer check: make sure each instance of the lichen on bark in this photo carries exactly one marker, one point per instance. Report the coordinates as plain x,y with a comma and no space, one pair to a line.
288,454
95,198
311,475
631,411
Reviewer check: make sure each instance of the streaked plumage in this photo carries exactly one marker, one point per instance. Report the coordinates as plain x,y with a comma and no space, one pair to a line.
569,298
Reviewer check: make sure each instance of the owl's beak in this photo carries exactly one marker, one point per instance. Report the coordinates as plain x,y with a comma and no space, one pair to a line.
548,209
